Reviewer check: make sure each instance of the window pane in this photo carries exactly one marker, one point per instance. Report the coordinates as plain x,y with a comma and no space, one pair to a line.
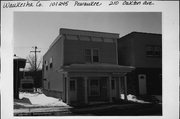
88,55
95,55
72,85
95,59
94,83
88,52
94,87
51,65
157,51
95,52
149,50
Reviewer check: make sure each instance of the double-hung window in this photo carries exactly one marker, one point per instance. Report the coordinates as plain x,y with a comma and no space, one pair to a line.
95,56
92,55
88,55
153,51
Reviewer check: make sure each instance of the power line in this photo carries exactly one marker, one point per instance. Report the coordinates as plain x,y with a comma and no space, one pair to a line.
35,51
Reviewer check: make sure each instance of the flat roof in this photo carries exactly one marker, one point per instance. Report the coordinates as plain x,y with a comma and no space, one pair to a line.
88,33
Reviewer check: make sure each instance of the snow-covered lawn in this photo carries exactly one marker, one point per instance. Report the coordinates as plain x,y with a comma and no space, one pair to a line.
133,98
36,99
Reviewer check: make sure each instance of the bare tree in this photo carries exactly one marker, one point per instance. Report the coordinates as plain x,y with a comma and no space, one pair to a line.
31,60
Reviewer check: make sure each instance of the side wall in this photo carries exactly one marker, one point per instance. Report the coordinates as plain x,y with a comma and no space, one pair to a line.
53,79
153,81
125,52
140,43
132,51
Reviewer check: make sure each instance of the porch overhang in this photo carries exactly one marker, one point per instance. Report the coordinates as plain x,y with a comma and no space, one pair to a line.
98,68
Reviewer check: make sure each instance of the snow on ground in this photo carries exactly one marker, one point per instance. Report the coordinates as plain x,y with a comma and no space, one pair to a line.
41,99
133,98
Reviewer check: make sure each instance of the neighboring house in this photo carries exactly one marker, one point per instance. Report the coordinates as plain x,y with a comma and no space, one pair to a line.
82,66
27,84
18,63
144,52
37,77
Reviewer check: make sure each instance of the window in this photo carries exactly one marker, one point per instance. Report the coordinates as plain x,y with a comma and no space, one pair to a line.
153,51
72,85
46,65
157,51
94,87
95,55
91,55
149,51
51,62
112,84
88,55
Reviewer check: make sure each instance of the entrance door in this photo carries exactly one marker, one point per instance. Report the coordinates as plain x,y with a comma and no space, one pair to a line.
94,87
142,84
73,89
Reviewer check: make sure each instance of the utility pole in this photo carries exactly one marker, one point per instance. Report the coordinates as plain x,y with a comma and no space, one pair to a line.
35,51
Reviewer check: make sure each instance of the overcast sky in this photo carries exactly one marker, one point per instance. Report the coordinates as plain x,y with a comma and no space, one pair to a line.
41,28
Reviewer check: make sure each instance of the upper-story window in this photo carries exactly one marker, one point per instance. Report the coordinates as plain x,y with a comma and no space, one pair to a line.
51,62
92,55
46,65
153,51
95,55
88,55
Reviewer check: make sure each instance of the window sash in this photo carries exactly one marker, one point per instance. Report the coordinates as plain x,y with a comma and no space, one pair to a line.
72,85
153,51
92,55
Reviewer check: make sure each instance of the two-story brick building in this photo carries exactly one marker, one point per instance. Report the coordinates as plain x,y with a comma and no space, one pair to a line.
82,67
144,52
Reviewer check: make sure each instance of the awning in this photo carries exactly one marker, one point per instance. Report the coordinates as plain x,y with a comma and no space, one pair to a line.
110,68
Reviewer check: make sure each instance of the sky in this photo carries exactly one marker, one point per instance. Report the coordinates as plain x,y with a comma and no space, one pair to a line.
41,28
